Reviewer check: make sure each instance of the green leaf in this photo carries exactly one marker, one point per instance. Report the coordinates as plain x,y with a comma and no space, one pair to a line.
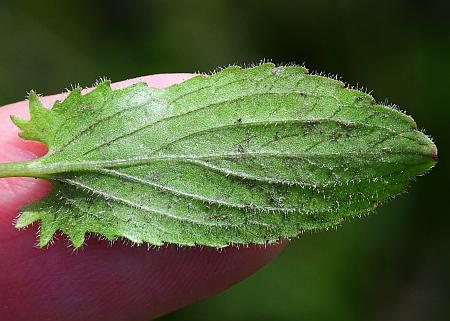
242,156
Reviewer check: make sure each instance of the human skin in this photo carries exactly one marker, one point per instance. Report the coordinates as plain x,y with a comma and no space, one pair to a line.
100,282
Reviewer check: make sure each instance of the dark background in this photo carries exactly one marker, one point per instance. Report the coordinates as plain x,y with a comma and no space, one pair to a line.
390,266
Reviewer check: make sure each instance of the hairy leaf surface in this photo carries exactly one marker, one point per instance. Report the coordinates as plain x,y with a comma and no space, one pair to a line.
241,156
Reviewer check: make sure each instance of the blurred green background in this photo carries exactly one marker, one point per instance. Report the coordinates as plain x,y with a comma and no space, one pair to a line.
390,266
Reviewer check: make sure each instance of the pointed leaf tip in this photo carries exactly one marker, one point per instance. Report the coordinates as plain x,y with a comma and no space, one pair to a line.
103,84
35,105
77,239
434,153
19,122
74,94
27,218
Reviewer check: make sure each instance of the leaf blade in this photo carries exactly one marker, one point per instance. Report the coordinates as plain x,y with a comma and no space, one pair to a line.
243,156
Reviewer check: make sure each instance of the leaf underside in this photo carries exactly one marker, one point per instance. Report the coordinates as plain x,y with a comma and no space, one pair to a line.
242,156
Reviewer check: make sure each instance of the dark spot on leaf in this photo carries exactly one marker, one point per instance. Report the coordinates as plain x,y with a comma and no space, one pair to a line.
277,136
335,135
